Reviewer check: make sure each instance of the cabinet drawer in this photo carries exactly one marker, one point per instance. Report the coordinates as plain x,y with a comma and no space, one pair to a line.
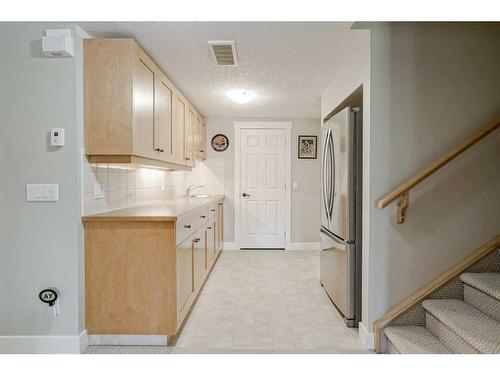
212,212
189,223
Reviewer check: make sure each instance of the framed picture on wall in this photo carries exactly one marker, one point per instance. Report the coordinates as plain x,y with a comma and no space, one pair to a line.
308,147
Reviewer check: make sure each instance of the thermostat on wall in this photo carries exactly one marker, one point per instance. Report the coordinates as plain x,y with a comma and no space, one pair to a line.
57,137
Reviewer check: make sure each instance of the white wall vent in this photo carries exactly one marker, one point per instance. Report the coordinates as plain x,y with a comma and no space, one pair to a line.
223,52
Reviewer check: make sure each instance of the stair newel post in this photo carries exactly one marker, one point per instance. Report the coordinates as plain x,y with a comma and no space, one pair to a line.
404,202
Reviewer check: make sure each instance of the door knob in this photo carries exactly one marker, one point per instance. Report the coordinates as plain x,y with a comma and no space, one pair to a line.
245,195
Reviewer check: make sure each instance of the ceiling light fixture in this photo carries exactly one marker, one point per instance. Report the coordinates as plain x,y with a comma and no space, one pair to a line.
241,96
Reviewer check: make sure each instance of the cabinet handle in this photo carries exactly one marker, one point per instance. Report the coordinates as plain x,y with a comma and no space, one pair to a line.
161,150
196,240
209,227
202,150
187,158
203,216
187,226
157,149
212,209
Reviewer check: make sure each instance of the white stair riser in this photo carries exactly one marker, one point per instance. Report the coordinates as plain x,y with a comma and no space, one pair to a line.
447,336
482,301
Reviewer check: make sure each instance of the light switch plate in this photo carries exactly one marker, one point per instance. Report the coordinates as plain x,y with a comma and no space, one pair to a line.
295,185
42,192
98,191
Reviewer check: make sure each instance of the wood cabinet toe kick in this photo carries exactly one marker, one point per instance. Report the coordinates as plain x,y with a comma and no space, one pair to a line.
143,276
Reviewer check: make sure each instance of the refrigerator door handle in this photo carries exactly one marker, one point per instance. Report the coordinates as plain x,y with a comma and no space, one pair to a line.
337,244
324,188
331,190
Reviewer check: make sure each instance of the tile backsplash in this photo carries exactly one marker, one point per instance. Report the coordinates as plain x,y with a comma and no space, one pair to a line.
127,185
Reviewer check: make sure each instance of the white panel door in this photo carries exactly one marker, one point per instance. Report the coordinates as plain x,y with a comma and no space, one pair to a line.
262,188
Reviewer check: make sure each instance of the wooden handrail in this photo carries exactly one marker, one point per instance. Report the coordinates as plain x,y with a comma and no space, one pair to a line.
403,190
438,282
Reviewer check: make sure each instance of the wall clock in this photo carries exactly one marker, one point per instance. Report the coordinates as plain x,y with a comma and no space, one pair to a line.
220,142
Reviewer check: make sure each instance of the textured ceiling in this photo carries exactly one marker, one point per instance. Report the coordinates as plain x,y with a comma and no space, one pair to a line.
288,64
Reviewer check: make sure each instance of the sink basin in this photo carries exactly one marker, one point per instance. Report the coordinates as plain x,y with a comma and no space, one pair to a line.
203,196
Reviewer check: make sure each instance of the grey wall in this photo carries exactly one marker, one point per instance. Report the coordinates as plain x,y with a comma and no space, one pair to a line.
40,243
305,199
432,86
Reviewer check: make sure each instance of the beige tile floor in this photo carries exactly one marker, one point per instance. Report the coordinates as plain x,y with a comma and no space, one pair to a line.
262,301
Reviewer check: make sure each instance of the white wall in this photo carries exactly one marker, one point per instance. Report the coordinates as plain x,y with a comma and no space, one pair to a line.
432,86
40,243
218,170
128,185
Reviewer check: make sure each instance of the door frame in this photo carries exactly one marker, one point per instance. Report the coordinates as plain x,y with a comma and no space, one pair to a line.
285,125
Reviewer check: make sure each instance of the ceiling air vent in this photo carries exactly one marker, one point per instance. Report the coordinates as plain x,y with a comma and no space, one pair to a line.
223,52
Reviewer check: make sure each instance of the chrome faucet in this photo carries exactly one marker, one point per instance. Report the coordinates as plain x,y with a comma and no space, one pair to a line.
191,188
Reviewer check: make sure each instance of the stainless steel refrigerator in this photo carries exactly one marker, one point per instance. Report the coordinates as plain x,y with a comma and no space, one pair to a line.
341,173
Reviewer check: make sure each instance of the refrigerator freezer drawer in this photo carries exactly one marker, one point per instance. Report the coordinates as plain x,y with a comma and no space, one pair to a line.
337,273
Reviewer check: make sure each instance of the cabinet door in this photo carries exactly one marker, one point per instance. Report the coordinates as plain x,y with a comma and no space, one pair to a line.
179,112
220,226
143,134
163,121
211,245
203,141
199,249
197,137
189,138
185,285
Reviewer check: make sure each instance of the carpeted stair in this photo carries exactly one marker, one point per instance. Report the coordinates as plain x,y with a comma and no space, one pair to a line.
471,325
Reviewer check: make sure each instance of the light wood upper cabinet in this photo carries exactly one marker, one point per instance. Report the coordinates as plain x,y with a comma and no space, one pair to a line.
189,138
179,120
144,111
204,138
200,138
163,121
133,113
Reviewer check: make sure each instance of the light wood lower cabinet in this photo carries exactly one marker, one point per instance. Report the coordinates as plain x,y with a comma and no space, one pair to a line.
130,274
185,284
220,226
137,280
211,252
199,262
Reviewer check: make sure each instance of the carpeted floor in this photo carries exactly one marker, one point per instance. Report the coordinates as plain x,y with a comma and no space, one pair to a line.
142,349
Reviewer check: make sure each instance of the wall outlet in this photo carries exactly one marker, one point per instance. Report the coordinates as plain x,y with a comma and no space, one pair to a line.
98,191
295,185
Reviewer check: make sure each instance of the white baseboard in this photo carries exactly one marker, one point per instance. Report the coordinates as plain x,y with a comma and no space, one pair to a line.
303,246
128,340
84,341
365,337
42,344
294,246
230,246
